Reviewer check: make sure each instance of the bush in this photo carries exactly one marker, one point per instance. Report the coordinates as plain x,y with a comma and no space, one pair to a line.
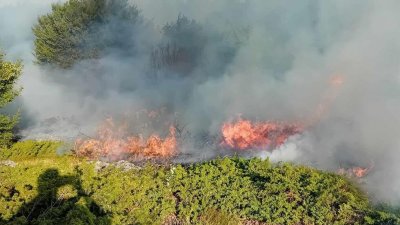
30,149
67,190
137,197
215,217
259,190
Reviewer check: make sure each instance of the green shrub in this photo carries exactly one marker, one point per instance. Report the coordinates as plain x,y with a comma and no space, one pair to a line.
215,217
376,217
68,190
256,189
30,149
136,197
218,184
383,214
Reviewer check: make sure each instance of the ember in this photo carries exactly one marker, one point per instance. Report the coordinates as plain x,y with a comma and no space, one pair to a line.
244,134
114,143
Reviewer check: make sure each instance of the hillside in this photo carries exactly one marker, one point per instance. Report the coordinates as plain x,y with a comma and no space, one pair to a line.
39,187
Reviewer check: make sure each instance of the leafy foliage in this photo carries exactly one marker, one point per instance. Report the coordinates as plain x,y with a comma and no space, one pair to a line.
138,197
215,217
31,149
80,29
9,74
68,190
277,194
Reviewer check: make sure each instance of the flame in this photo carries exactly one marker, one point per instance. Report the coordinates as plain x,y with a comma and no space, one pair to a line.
112,142
357,171
244,134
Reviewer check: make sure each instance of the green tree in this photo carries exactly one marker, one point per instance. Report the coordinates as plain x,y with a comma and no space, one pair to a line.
9,74
82,29
187,46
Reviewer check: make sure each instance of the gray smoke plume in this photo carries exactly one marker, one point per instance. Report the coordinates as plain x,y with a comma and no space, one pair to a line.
265,60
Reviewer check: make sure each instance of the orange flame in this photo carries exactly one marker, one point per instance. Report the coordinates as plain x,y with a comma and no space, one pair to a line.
357,171
113,143
244,134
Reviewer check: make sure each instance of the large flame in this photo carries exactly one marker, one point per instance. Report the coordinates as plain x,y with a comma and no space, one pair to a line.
114,143
244,134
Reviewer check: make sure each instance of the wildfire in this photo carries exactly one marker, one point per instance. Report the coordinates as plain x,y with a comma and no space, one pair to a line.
244,134
358,172
114,143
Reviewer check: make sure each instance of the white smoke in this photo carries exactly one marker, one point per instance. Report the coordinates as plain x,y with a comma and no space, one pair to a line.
285,53
289,151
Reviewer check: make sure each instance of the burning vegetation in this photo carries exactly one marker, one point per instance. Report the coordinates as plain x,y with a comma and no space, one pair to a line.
356,171
245,134
115,143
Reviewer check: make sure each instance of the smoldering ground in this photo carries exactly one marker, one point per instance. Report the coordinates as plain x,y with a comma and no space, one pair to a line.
265,60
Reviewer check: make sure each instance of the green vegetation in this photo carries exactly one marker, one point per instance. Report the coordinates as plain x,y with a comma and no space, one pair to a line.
9,74
30,149
80,29
87,29
55,189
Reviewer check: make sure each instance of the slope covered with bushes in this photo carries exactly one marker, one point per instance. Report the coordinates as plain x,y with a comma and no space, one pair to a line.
68,190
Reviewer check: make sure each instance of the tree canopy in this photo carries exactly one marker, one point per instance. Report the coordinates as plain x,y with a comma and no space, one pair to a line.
81,29
9,74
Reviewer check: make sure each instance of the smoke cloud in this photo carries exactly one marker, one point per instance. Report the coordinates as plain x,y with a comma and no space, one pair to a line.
264,60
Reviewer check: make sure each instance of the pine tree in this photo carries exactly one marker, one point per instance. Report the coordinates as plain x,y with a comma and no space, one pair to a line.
81,29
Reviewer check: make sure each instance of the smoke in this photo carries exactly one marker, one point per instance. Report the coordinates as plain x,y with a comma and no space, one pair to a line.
265,60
